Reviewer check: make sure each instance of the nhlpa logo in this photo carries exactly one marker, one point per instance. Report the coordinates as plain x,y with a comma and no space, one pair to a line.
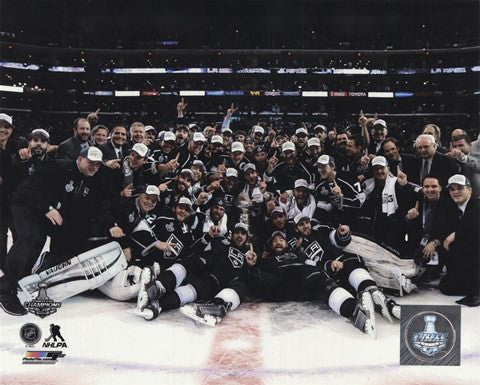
236,257
430,342
54,334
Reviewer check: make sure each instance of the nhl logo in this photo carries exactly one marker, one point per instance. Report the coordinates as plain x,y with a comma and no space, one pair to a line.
30,334
42,306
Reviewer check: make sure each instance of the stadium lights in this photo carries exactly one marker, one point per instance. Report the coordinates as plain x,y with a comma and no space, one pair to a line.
314,94
192,93
380,94
11,89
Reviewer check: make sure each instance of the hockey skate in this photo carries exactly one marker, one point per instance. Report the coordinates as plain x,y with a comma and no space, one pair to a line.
380,303
208,313
363,318
150,291
406,285
394,309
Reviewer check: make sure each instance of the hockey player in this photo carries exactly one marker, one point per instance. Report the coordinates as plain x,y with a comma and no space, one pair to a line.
337,200
285,274
167,240
282,176
172,190
302,201
323,246
222,266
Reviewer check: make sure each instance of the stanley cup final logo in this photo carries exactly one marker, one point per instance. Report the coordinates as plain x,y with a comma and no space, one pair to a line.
430,335
430,342
42,306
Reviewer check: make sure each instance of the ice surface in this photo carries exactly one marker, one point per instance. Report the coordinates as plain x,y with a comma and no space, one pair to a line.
259,343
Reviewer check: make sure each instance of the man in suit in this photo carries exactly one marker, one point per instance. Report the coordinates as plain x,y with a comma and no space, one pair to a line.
70,148
461,151
115,148
430,162
395,160
379,133
428,224
463,267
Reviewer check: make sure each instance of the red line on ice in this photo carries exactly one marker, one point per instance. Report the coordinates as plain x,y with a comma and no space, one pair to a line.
236,345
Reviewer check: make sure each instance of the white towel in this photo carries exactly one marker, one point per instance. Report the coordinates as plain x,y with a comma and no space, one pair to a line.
389,197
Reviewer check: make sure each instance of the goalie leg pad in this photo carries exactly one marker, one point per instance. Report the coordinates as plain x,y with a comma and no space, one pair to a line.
124,286
84,272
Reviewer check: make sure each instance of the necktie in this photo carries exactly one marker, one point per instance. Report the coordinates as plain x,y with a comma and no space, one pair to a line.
119,154
460,214
425,169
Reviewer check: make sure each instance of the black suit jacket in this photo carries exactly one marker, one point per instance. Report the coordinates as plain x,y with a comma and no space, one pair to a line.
109,153
442,225
465,249
69,149
407,164
442,167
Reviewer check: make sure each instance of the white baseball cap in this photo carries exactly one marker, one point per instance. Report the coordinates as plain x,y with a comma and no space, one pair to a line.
216,139
237,146
199,137
259,129
320,127
92,153
325,159
231,172
301,130
40,131
187,171
459,179
7,118
313,142
152,190
150,128
379,161
169,137
249,166
242,226
278,209
299,217
140,149
380,122
288,146
301,183
185,201
199,163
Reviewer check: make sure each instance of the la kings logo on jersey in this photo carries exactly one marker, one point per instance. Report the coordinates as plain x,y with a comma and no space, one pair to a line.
314,251
236,257
176,249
